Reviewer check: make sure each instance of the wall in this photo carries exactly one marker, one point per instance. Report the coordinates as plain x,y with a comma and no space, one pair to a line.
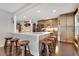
6,25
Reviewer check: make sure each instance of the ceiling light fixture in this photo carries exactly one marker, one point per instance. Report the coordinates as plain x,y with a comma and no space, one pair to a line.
54,11
38,11
24,16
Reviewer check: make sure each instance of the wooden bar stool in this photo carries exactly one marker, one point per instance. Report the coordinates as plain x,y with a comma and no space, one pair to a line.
55,37
47,44
14,42
7,40
53,41
24,44
53,44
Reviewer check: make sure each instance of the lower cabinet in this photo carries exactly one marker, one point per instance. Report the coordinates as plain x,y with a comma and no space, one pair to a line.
63,34
70,34
67,34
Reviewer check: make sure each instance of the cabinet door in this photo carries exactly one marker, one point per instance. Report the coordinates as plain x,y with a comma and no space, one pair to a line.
70,33
62,20
70,20
63,34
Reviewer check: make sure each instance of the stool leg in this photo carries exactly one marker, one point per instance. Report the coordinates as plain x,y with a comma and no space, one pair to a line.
22,50
47,50
16,48
11,47
43,51
51,49
40,49
5,44
25,50
28,48
16,44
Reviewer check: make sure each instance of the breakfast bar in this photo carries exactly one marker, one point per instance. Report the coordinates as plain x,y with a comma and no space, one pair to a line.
34,38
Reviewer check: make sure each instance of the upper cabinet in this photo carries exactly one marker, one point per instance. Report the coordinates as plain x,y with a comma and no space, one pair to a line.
70,19
67,20
49,22
48,25
66,27
62,20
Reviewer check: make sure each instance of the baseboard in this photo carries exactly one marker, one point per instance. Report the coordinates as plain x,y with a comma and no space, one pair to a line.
69,42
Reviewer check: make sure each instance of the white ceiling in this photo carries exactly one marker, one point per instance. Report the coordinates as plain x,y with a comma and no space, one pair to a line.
38,11
44,11
11,7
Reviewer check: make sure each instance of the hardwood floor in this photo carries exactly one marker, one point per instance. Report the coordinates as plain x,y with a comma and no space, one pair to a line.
14,52
62,49
65,49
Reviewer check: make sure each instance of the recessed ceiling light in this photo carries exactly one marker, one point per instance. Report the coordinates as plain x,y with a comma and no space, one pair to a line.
24,16
47,17
38,11
53,11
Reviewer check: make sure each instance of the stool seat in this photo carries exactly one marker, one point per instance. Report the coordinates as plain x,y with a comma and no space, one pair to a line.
49,38
14,43
8,38
47,45
15,39
52,36
23,43
46,41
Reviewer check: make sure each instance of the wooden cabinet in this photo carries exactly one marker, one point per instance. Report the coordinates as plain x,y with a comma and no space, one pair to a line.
49,22
70,34
63,34
67,25
70,20
62,20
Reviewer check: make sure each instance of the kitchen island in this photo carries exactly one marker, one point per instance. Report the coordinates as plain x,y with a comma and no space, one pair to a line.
34,38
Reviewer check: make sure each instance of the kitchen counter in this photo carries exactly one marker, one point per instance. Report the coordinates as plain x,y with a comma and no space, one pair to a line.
33,33
34,38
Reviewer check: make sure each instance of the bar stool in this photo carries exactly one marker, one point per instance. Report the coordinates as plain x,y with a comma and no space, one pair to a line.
55,37
53,44
14,42
47,45
53,41
24,44
7,39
